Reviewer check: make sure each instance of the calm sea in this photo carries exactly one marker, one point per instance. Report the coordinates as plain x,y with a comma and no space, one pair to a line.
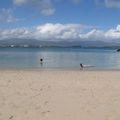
59,58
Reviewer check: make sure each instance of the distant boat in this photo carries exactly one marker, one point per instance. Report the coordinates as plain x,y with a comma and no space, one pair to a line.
118,50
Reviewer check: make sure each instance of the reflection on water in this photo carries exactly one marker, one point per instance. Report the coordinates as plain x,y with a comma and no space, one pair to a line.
60,58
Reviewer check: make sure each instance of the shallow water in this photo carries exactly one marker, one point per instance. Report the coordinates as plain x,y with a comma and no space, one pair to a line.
59,58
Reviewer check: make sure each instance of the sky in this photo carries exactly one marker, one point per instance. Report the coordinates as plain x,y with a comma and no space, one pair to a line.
60,20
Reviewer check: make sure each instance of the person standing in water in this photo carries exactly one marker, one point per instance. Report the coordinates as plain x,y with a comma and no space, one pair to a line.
41,61
81,66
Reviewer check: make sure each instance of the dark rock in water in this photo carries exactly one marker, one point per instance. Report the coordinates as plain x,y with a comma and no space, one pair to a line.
118,50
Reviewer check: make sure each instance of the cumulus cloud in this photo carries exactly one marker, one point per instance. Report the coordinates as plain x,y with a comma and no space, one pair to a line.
59,31
6,15
94,35
45,7
64,32
113,33
14,33
47,31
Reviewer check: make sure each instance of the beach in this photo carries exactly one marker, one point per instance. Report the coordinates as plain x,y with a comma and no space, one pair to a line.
59,95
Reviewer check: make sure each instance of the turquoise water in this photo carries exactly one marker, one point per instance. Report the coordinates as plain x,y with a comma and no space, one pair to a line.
58,58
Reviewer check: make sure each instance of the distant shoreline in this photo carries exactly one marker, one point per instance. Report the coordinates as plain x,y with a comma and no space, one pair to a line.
58,69
106,47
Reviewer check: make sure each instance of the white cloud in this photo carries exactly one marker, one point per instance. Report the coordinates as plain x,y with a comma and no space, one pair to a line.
45,7
112,3
47,12
14,33
47,31
6,15
19,2
94,35
113,33
58,31
108,3
66,32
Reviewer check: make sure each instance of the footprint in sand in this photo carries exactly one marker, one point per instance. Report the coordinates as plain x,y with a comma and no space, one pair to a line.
11,117
44,113
46,102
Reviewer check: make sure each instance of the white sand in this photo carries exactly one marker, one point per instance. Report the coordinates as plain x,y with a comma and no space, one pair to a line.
59,95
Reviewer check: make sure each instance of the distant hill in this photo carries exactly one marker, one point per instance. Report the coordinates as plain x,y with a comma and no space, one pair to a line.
58,43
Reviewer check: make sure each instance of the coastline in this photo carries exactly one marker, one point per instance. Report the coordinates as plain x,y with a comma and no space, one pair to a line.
60,69
59,95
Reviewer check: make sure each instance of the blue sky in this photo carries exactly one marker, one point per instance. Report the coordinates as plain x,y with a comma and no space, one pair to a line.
88,12
91,17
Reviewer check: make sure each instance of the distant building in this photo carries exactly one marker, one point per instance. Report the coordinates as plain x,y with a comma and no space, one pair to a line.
12,46
25,46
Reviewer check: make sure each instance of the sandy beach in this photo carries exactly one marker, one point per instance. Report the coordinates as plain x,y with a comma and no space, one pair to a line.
59,95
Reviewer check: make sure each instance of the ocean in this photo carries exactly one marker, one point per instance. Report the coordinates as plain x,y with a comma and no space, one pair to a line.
59,58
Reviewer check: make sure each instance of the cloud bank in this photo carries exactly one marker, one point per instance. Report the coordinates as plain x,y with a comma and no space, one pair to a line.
62,32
